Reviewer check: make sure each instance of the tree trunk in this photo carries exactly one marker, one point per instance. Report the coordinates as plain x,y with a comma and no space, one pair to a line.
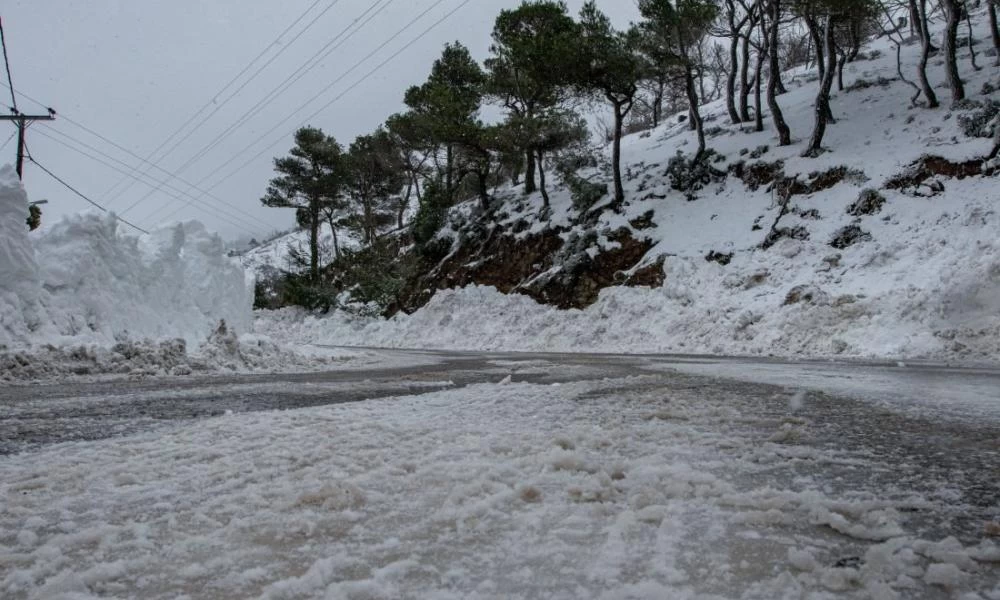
404,204
529,172
816,34
336,240
991,9
616,155
661,87
314,240
784,134
692,96
817,39
758,104
841,61
449,167
744,79
972,51
701,73
731,78
925,55
953,13
822,106
484,189
541,179
916,25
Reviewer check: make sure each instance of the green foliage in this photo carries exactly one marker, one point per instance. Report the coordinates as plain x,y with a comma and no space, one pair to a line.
444,108
535,54
535,59
310,175
431,215
548,132
608,59
276,289
375,172
583,191
672,28
689,175
978,122
310,178
372,275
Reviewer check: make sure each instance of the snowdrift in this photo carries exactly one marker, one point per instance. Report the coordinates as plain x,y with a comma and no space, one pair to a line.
85,281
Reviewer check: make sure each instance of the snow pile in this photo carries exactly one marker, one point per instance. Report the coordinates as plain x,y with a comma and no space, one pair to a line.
643,487
937,296
222,352
914,273
20,292
84,281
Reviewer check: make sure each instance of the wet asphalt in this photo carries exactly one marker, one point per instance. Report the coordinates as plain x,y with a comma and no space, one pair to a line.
922,451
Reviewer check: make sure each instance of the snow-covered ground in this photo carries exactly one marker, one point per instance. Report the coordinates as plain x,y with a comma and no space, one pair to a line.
638,487
276,255
924,283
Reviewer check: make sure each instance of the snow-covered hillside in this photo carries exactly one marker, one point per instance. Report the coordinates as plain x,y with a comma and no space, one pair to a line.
912,272
277,254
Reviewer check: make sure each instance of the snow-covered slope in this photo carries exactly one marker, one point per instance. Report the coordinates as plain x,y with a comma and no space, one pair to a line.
277,253
920,279
85,281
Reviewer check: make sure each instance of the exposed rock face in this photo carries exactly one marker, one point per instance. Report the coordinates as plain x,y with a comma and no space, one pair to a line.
544,266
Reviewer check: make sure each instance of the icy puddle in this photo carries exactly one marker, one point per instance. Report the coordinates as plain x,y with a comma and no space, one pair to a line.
644,487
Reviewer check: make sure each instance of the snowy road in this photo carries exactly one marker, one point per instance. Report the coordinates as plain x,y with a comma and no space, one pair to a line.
578,476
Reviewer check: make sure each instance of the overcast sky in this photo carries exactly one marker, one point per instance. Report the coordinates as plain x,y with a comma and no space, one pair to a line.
136,71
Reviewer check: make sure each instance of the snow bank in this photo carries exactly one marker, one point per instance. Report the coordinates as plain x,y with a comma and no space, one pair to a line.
85,281
939,298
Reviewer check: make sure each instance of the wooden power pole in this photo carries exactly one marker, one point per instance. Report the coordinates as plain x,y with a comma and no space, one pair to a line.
22,121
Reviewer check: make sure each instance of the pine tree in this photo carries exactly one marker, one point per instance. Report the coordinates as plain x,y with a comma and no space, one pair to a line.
311,178
678,27
445,108
534,56
374,174
610,67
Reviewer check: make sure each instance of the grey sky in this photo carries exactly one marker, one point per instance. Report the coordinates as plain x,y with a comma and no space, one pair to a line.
135,70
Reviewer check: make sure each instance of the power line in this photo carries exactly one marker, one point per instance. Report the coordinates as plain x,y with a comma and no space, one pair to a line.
80,194
338,97
146,173
6,62
219,105
301,72
8,141
275,92
133,175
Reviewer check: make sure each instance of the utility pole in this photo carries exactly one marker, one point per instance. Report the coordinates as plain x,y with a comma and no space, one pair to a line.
22,121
